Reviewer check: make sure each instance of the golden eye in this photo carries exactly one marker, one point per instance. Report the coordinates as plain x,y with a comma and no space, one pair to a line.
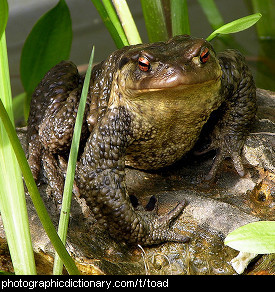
144,64
205,55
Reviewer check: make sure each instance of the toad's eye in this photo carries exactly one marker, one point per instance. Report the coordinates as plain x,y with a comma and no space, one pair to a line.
205,55
144,64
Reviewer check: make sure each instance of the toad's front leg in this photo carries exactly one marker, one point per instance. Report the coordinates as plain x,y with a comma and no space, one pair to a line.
100,177
237,113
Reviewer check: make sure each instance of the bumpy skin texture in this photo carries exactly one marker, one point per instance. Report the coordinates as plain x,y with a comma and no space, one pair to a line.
236,114
146,114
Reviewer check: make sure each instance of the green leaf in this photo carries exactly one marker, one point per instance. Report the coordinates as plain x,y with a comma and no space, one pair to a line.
115,21
48,43
18,107
179,17
236,25
12,195
256,237
108,23
4,13
127,22
212,13
265,27
67,194
154,20
34,193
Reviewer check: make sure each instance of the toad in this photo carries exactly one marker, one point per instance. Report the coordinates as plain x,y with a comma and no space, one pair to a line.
147,106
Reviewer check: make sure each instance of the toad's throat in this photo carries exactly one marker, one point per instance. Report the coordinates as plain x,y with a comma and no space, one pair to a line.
172,125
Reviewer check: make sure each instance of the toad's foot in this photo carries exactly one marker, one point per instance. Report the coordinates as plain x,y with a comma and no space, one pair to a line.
236,115
220,157
159,227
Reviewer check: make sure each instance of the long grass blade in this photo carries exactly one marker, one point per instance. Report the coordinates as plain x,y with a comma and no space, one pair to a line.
115,21
4,12
212,13
179,17
67,195
127,22
108,23
155,20
12,195
34,193
265,27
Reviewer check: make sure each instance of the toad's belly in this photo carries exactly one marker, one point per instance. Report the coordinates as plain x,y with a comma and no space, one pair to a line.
163,148
153,158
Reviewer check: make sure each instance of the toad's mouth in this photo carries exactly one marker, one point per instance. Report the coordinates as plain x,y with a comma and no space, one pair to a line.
174,82
175,85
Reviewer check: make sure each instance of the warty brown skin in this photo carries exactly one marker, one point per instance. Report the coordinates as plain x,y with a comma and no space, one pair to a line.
147,106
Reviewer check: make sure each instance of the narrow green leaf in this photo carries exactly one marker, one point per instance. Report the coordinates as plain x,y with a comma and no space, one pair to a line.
4,12
115,20
48,43
12,195
127,22
108,23
155,20
18,106
67,195
265,27
34,193
179,17
212,13
236,25
256,237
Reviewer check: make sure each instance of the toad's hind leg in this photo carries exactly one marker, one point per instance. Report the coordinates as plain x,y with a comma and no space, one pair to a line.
100,177
51,122
235,116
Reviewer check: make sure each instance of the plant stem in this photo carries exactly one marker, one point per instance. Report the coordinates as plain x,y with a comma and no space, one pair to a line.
154,20
127,22
67,195
12,195
114,18
108,23
179,17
